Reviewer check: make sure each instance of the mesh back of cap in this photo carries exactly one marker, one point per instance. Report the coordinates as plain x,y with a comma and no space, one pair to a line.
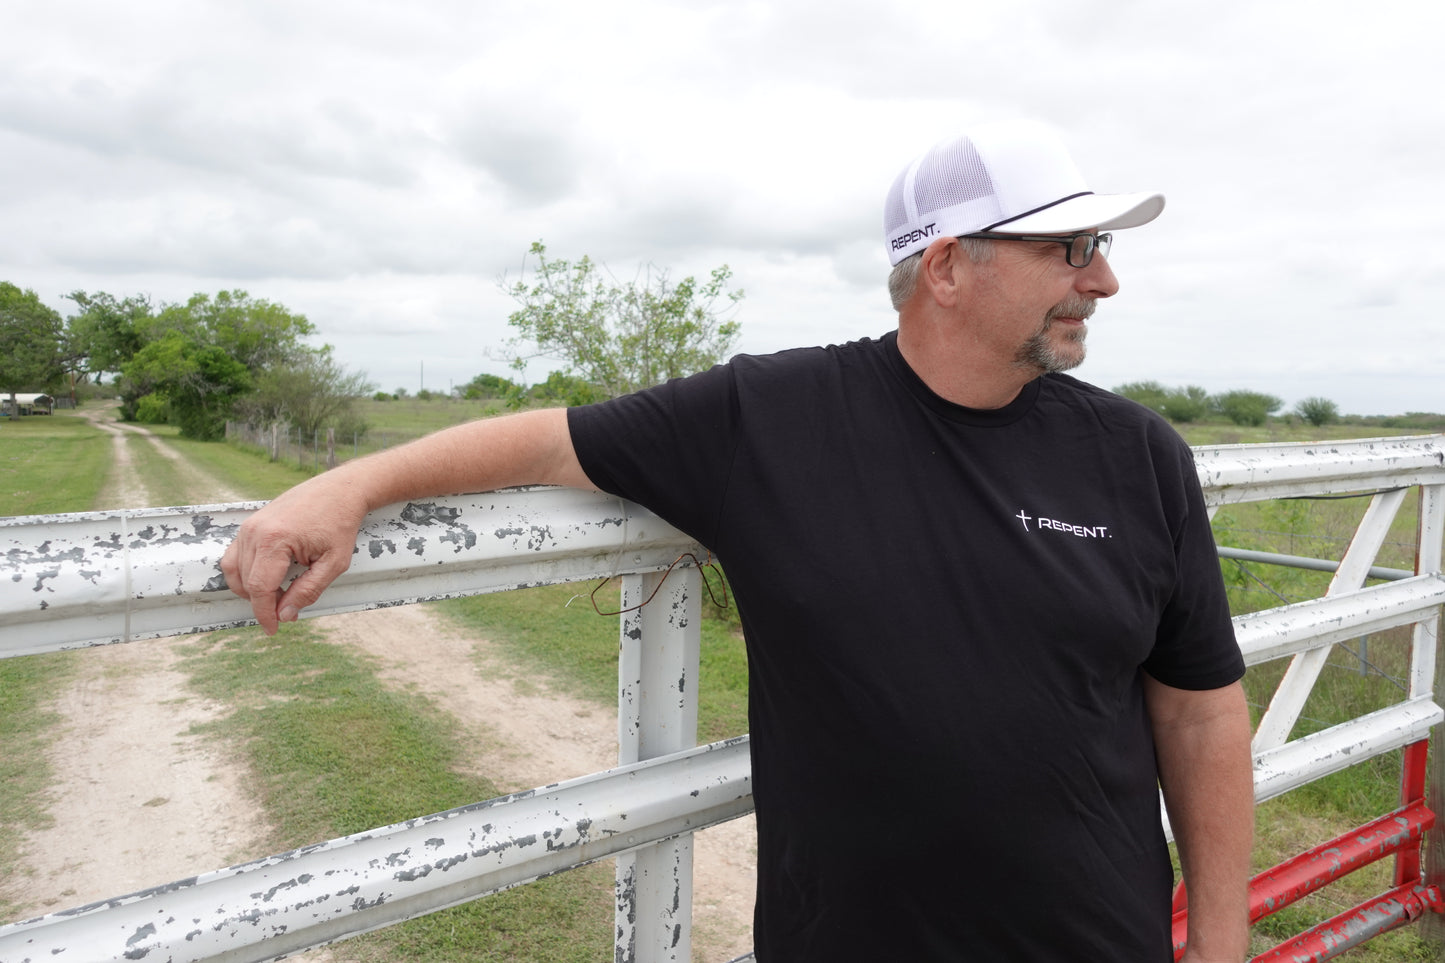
949,175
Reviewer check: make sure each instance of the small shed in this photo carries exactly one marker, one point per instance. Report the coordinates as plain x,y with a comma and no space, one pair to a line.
28,403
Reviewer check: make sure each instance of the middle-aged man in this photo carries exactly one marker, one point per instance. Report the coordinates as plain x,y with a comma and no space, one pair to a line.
984,616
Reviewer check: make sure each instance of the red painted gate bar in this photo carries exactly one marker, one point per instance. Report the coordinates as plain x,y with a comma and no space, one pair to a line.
1399,833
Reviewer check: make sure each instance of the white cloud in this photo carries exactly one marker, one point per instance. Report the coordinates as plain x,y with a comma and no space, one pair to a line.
377,165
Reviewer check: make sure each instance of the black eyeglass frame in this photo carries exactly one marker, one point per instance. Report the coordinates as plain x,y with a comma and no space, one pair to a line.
1079,252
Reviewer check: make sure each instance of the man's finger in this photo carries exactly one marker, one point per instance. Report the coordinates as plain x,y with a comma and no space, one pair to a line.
307,587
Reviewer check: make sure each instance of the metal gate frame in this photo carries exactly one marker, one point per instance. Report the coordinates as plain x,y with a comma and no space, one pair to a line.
71,581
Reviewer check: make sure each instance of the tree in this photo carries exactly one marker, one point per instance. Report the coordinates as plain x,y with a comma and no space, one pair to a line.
206,354
32,356
200,381
1183,405
1246,407
310,392
1176,404
1150,394
619,337
108,331
489,386
564,389
1317,411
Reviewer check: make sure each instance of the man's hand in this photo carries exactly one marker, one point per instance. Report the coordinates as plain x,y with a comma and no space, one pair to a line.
314,524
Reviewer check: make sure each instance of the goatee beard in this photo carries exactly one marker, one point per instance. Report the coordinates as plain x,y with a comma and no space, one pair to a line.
1041,354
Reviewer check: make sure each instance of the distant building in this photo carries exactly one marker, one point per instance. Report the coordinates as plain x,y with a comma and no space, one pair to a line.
28,403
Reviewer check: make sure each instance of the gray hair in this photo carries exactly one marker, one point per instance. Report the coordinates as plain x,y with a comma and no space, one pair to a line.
904,279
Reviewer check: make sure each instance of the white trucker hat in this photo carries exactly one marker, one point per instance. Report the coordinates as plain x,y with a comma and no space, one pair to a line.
1015,177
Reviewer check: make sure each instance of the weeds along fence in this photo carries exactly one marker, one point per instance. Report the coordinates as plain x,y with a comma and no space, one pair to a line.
316,450
123,577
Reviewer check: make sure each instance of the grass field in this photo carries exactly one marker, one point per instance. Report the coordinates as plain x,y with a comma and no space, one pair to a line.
50,464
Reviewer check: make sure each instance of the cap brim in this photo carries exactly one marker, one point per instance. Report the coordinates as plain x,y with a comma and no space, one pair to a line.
1104,212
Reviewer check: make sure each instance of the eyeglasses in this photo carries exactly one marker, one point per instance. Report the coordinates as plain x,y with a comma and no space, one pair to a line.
1081,247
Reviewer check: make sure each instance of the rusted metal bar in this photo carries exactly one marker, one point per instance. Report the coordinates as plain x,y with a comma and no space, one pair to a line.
660,644
1297,877
1244,473
326,892
1331,750
1412,793
68,581
1300,626
1301,875
1334,937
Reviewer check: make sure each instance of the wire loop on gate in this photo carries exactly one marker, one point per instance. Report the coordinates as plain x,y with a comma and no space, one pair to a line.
702,569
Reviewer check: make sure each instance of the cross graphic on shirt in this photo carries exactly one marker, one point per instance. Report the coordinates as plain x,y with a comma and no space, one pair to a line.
1024,518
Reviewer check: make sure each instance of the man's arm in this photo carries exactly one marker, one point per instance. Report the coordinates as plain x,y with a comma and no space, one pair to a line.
1206,771
316,522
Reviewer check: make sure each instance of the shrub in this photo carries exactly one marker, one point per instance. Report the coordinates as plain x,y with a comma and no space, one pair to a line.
1317,411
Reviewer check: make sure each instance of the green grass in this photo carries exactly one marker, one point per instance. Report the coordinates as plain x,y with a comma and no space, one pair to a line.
415,417
554,630
1208,433
334,751
27,686
255,478
51,464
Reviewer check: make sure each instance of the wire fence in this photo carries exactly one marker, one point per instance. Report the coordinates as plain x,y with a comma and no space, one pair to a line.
1373,661
318,450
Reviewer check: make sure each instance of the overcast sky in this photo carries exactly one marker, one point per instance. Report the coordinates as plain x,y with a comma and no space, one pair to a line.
379,166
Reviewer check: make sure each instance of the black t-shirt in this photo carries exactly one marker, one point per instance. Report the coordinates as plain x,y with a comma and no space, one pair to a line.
947,611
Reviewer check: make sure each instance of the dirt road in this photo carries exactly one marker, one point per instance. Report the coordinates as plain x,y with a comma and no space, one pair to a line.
140,799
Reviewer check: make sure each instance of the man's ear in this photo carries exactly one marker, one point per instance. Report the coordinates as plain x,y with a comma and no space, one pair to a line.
944,272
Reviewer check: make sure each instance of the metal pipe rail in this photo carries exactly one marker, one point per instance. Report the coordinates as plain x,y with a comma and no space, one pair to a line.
1250,473
1305,562
319,894
70,581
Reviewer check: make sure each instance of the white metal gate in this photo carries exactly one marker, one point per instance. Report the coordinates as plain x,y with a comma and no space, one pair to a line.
122,577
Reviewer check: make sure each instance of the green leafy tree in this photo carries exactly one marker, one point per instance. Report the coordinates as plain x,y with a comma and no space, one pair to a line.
489,386
1183,405
1150,394
1246,407
205,355
1317,411
619,337
108,331
310,392
564,389
32,343
200,382
1177,404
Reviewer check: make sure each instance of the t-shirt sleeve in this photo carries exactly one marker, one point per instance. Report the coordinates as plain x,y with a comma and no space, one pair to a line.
667,448
1195,646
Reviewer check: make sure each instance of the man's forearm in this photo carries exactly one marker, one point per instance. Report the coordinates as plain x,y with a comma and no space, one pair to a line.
316,522
1205,768
532,448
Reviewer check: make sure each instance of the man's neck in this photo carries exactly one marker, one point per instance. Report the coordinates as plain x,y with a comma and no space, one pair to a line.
960,373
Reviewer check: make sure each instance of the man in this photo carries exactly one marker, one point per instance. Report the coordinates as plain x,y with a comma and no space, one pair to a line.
985,622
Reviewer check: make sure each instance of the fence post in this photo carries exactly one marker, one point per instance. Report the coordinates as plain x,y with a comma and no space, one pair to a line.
330,448
657,674
1430,548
